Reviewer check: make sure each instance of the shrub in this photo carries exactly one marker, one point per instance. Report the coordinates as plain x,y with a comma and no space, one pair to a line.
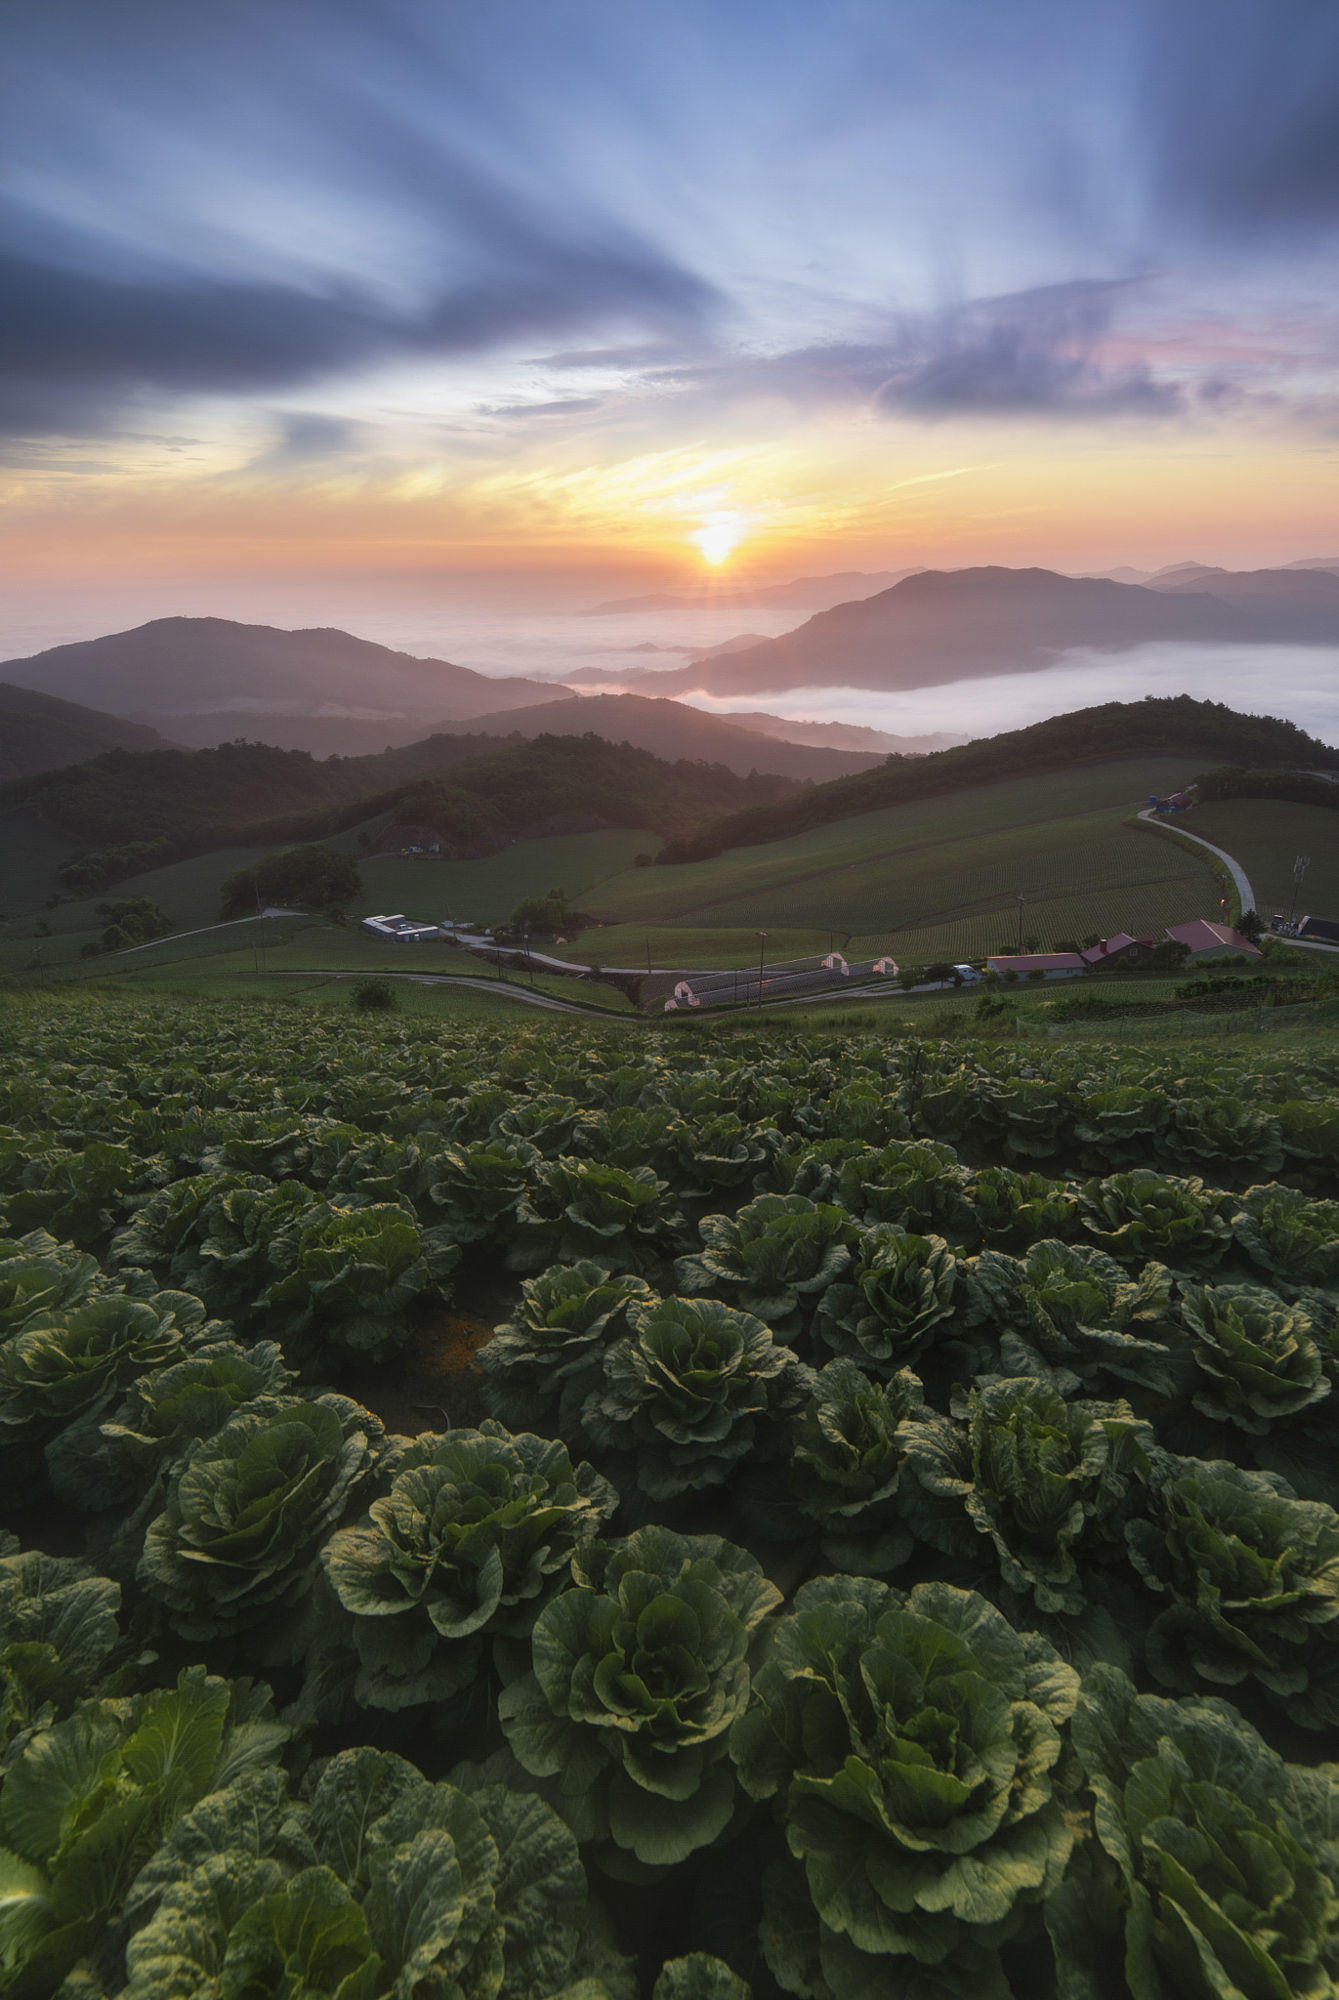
374,996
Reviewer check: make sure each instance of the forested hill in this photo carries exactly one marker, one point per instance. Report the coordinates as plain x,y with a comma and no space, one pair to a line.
39,732
173,803
1159,725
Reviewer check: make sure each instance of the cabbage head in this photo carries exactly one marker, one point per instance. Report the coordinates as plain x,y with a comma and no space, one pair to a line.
57,1633
1226,1133
478,1190
1258,1360
1013,1210
350,1275
1123,1124
582,1208
378,1885
811,1168
473,1538
88,1801
65,1365
247,1510
1250,1581
1070,1313
1212,1871
720,1154
541,1363
901,1291
81,1192
909,1742
774,1259
695,1387
848,1457
39,1275
123,1457
915,1183
638,1674
1284,1234
1029,1482
1141,1215
1037,1115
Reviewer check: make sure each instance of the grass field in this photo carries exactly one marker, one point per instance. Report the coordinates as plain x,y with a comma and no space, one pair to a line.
487,891
320,948
672,946
1266,836
941,877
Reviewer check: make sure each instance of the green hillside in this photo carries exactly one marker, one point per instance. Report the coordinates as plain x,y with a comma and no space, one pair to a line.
942,877
1159,726
1266,836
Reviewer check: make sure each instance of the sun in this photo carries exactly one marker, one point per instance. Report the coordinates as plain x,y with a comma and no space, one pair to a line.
718,535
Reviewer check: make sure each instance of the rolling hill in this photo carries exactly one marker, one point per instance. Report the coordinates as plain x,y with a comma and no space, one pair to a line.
40,732
207,680
949,625
1158,726
126,811
669,729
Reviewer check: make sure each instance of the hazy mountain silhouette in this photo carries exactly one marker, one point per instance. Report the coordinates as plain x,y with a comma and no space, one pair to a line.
670,730
203,680
940,626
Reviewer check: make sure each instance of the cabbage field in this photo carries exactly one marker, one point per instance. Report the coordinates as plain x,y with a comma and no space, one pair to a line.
874,1541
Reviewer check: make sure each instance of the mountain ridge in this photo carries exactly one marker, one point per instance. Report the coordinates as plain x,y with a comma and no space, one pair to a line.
938,626
234,669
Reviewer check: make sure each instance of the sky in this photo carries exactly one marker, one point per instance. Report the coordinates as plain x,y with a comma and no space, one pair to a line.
312,290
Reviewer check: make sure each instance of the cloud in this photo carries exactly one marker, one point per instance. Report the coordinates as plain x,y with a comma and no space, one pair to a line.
1034,353
305,437
564,406
648,354
1031,353
1239,112
77,346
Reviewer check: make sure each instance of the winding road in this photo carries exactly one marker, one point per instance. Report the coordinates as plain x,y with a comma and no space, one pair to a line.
1245,893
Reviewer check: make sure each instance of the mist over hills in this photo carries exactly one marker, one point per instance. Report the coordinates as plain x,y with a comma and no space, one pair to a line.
802,593
950,625
670,729
204,680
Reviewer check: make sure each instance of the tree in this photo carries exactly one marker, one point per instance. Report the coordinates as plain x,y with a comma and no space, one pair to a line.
318,878
1169,956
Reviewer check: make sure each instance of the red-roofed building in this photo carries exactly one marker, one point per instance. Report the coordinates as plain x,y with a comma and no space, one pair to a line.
1121,948
1206,941
1050,964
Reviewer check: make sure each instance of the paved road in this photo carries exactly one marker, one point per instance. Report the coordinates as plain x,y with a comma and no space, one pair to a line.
1234,868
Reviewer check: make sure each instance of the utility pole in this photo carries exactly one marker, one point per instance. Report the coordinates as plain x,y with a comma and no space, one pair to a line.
1300,866
762,947
1020,924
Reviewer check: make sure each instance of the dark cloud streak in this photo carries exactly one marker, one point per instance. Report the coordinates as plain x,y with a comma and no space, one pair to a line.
1034,353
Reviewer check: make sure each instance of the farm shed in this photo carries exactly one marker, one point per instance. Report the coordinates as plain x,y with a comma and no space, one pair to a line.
1050,964
1206,941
